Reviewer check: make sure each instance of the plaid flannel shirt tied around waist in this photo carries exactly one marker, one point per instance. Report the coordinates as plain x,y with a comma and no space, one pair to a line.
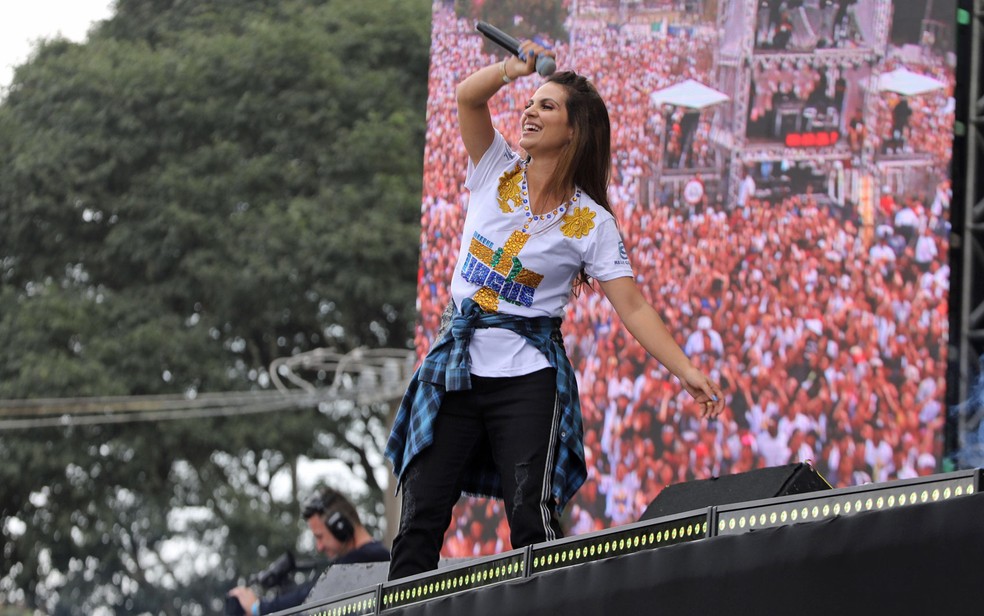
447,368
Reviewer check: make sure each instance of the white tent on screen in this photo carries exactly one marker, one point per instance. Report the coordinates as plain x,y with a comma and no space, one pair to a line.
908,83
691,94
691,98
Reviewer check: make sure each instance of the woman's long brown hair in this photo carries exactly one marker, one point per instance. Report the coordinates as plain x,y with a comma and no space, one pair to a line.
588,162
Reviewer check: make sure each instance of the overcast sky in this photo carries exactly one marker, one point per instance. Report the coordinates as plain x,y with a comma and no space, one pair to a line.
24,22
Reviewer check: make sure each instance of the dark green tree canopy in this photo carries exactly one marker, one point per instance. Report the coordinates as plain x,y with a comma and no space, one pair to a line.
198,189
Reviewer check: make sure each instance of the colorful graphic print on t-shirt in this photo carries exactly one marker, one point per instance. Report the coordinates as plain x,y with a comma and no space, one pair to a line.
499,272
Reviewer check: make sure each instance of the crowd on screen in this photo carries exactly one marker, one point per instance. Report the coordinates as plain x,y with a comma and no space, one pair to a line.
828,338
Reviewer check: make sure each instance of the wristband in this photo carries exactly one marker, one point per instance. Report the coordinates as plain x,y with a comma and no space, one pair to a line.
255,610
502,71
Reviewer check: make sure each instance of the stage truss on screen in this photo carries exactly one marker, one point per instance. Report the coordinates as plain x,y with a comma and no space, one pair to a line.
968,223
735,64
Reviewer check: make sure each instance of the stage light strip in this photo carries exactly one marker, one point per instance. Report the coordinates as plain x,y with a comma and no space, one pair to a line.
744,517
359,603
619,541
471,575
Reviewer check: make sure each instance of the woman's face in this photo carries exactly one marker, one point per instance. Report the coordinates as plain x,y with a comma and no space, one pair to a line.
545,127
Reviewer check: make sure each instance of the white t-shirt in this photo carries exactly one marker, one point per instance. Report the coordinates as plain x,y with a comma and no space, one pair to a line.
925,249
513,263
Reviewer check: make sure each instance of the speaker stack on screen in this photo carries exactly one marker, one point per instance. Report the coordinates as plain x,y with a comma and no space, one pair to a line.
795,478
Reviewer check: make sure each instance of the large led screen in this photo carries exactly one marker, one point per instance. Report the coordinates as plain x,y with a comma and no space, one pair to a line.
781,180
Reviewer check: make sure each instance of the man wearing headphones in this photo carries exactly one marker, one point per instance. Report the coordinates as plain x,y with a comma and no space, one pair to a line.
338,534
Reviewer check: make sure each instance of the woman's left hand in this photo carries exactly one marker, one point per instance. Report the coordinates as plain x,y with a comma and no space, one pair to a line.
706,392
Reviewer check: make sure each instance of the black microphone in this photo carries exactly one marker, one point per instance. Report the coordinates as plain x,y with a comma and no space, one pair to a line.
545,65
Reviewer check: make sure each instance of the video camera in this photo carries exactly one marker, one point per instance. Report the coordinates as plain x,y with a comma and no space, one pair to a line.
278,574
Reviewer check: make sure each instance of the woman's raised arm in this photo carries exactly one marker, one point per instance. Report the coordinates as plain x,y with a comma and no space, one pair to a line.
474,92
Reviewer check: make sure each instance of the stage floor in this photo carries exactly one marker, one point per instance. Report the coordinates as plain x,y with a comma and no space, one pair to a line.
906,547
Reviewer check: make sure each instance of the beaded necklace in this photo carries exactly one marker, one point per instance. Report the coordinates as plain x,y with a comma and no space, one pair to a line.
512,192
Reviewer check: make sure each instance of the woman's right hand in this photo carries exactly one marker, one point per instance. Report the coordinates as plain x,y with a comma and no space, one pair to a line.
517,66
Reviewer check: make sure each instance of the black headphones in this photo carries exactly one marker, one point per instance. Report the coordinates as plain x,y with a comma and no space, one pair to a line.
340,526
337,524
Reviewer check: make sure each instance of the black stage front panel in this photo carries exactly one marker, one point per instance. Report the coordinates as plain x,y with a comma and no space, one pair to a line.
899,548
922,560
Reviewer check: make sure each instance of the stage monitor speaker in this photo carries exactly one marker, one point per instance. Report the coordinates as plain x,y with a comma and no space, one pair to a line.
348,577
343,578
795,478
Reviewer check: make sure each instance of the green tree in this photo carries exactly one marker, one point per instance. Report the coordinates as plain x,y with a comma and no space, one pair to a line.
198,189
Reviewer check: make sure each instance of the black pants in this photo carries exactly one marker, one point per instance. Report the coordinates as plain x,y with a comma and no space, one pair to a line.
514,418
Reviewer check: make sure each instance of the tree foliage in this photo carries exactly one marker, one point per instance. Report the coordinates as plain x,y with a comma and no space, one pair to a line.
198,189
